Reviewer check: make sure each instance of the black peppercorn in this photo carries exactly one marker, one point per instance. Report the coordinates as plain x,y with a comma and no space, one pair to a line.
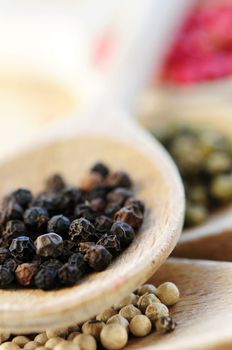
131,215
6,276
4,254
49,245
81,230
22,196
124,232
36,218
135,202
100,168
98,257
14,229
12,211
77,259
111,243
25,274
84,246
69,274
98,191
103,223
11,264
118,196
97,204
46,278
54,263
119,179
46,201
22,248
84,211
59,224
55,183
67,200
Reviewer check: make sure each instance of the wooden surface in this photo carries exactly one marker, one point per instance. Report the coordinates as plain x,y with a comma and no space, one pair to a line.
157,182
212,239
204,312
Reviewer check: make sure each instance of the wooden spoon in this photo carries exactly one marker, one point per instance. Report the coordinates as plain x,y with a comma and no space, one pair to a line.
211,240
204,312
71,150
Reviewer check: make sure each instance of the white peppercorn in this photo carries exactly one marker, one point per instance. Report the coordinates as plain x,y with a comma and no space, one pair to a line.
52,342
119,320
67,345
41,338
146,300
41,348
129,299
114,336
165,324
31,345
129,311
9,346
156,310
140,326
72,335
105,315
85,341
20,340
61,332
4,336
93,328
168,293
146,288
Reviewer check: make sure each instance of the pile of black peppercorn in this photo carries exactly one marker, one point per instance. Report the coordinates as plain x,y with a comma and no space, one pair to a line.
55,238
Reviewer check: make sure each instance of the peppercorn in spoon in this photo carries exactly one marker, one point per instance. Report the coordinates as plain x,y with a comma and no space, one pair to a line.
212,238
120,143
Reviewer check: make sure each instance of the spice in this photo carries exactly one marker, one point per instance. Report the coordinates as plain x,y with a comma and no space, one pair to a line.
20,340
155,311
105,315
59,224
207,174
22,248
129,299
140,326
49,245
114,336
130,215
85,341
119,320
129,311
146,300
25,274
93,328
165,324
146,288
168,293
55,238
98,257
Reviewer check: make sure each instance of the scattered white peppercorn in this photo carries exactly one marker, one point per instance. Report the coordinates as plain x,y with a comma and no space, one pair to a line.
61,332
129,311
4,336
114,336
165,324
31,345
93,328
156,310
119,320
168,293
140,326
146,300
105,315
20,340
9,346
72,335
129,299
41,338
52,342
85,341
67,345
42,348
146,288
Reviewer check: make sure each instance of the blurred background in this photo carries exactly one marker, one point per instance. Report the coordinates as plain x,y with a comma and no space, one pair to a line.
58,57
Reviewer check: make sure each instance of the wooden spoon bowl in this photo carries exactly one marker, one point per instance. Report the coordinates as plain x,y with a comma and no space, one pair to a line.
204,312
212,239
72,151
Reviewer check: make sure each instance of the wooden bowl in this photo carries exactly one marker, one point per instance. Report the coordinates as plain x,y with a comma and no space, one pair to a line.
203,314
211,240
72,150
